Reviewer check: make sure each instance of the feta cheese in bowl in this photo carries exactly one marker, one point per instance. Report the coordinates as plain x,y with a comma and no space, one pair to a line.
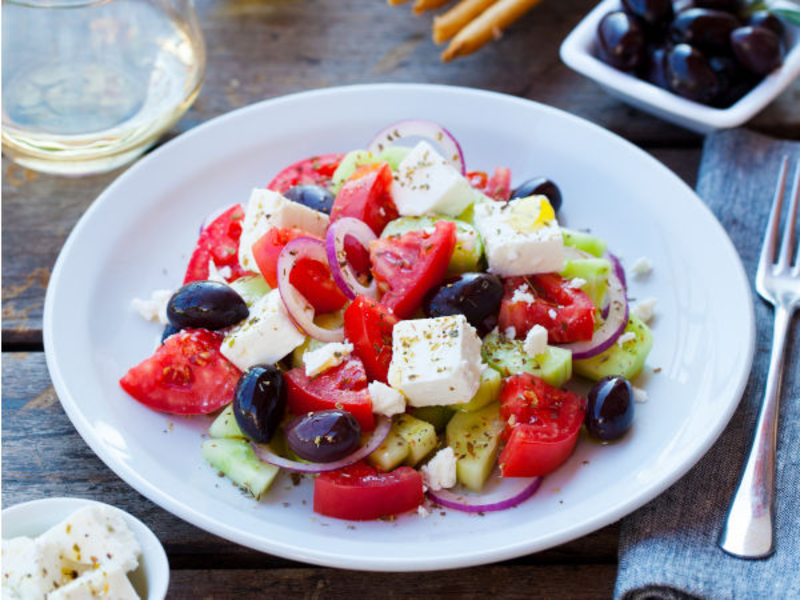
120,557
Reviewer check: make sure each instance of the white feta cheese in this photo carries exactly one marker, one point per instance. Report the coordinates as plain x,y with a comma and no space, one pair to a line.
521,237
98,583
267,209
523,294
154,309
440,472
536,341
510,332
645,309
423,512
435,361
326,357
552,313
639,395
266,336
426,183
386,400
625,338
641,267
219,275
28,571
576,283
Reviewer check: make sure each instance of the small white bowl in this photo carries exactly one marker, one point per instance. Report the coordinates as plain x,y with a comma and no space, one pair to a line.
150,580
578,52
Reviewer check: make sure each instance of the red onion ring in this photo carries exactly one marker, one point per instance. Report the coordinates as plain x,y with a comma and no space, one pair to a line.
341,269
426,129
381,431
618,270
213,216
299,309
515,490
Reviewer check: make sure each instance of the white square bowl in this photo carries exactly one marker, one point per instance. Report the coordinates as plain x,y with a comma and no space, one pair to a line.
578,52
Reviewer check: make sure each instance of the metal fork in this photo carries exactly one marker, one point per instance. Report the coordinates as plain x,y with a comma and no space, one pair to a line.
749,526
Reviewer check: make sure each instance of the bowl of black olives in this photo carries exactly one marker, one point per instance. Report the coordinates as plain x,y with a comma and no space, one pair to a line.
701,64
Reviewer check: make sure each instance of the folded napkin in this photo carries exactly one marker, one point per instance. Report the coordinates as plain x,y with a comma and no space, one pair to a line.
668,548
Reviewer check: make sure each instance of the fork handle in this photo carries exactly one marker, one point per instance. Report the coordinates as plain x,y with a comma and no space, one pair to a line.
749,526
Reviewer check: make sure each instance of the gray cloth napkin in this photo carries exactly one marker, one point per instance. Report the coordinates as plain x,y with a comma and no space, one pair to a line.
668,548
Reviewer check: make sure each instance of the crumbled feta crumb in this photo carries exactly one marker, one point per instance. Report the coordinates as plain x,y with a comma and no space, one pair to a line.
639,395
386,400
326,357
423,512
536,341
523,294
440,472
625,338
510,332
576,283
552,313
219,275
645,309
641,267
154,309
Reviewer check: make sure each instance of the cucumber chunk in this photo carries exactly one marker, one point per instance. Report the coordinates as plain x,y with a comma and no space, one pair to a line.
474,438
508,357
332,320
237,461
393,155
595,272
225,425
626,361
391,453
251,288
468,252
583,241
438,416
348,165
488,391
420,436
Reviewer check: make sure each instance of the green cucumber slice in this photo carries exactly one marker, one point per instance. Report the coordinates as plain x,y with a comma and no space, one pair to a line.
595,272
583,241
475,438
508,357
251,288
393,155
626,361
488,391
420,436
438,416
347,167
225,425
391,453
237,461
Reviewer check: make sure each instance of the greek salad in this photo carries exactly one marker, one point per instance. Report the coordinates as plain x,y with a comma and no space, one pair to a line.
400,328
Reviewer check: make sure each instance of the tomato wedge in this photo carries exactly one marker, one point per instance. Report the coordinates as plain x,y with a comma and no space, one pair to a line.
311,278
186,375
343,387
368,326
220,242
409,265
362,493
542,425
367,197
567,313
497,187
317,170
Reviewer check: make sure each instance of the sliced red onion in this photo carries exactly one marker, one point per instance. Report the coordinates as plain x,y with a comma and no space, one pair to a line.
384,424
300,310
451,149
213,216
612,327
341,269
618,270
509,492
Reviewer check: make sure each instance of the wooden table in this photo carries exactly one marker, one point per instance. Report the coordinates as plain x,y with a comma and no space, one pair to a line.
259,49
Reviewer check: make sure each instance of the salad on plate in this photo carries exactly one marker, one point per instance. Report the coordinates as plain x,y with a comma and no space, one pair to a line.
401,329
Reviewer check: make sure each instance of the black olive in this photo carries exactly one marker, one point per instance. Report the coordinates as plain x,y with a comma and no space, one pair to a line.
206,304
259,401
169,329
540,186
707,30
652,12
477,296
690,75
655,68
764,18
757,49
312,196
323,436
609,412
621,40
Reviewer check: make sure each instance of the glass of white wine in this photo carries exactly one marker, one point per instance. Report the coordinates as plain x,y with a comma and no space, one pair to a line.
89,85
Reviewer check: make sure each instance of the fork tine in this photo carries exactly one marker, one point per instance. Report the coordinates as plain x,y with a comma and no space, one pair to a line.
791,222
771,234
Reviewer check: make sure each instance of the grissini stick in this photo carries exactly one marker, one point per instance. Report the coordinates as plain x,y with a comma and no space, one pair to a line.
420,6
455,19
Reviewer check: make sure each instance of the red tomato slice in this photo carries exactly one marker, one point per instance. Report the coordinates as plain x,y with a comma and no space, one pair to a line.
343,387
407,266
311,278
567,313
317,170
366,196
187,375
362,493
542,425
368,326
218,241
498,186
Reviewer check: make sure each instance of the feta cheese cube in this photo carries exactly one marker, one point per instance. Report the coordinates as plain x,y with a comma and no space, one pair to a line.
325,357
154,309
267,209
536,341
98,583
426,183
435,361
266,336
440,472
519,237
642,267
645,309
386,400
28,571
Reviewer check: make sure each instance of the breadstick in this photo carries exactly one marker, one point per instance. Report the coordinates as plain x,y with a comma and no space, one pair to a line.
395,2
420,6
488,26
455,19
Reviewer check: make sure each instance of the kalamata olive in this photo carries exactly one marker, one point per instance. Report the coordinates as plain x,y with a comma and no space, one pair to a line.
609,413
734,82
477,296
652,12
731,6
655,68
206,304
690,75
312,196
757,49
705,29
169,329
764,18
621,40
323,436
542,186
259,401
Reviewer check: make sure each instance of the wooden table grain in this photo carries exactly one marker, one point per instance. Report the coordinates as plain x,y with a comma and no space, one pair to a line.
259,49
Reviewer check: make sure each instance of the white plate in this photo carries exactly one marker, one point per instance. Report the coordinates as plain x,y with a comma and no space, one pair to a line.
137,237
